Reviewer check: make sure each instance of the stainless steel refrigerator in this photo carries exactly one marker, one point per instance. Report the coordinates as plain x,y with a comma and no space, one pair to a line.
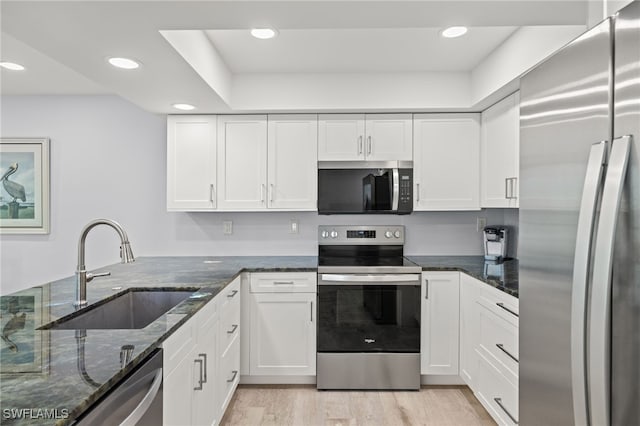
580,230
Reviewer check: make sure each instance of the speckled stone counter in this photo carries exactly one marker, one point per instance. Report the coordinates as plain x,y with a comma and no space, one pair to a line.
501,275
40,370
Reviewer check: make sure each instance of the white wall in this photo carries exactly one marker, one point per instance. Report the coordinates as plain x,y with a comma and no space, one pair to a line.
108,159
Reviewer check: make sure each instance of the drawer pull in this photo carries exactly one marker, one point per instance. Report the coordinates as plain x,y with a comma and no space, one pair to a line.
235,327
233,293
235,373
283,282
200,379
500,304
204,356
499,402
501,347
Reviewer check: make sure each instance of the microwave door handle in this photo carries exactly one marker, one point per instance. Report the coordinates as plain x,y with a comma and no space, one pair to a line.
586,221
600,312
396,190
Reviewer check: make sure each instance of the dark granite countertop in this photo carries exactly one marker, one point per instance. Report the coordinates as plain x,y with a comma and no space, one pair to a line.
39,369
501,275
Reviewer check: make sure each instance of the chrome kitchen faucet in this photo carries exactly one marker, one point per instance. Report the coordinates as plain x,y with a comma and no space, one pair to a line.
82,276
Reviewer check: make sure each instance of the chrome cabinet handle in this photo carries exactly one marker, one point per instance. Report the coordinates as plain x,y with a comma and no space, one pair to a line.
200,381
360,145
418,191
142,408
233,329
283,282
426,289
500,304
514,195
235,373
262,189
509,354
233,293
204,357
599,322
271,196
369,145
586,221
506,188
499,402
311,311
212,193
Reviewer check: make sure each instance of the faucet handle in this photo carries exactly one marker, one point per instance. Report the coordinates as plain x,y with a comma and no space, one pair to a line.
91,276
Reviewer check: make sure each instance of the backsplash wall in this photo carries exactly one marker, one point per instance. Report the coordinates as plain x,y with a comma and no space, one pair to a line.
108,159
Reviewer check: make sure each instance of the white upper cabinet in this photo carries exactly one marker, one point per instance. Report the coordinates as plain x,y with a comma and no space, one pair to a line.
267,162
242,162
292,162
340,137
446,161
191,162
371,137
500,150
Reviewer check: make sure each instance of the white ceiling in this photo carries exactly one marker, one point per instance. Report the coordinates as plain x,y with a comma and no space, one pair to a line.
63,44
356,50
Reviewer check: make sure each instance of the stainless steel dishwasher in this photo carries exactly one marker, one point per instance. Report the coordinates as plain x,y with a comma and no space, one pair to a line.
137,400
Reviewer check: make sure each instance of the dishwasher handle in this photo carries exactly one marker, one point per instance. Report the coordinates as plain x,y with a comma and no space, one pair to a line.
146,402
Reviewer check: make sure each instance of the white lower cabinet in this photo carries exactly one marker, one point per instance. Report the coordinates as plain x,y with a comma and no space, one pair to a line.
489,348
197,358
439,347
283,324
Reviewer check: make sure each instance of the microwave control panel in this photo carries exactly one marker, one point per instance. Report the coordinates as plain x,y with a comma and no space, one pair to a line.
405,195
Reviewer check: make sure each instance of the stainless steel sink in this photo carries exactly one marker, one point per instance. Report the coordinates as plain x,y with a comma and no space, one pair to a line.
133,309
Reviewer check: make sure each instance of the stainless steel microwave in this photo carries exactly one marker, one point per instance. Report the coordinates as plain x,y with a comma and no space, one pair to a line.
365,187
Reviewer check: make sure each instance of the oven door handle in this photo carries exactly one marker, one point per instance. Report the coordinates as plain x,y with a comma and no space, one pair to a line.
398,279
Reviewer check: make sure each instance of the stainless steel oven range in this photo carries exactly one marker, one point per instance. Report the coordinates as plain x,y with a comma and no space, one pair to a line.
368,309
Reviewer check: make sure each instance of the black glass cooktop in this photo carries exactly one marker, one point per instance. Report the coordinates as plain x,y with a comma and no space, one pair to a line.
357,255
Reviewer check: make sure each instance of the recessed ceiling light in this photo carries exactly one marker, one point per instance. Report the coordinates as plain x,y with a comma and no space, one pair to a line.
11,66
183,107
125,63
264,33
453,32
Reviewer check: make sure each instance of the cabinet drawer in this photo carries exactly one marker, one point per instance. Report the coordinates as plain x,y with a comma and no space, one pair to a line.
502,304
229,328
496,393
292,282
228,375
229,297
500,339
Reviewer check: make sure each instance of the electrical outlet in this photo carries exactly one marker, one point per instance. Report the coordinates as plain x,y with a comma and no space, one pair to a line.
227,227
293,229
481,222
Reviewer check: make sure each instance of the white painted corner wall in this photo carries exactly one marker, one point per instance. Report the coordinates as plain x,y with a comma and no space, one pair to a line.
108,159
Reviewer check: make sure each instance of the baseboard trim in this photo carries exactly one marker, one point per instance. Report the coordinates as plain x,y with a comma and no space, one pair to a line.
277,380
430,379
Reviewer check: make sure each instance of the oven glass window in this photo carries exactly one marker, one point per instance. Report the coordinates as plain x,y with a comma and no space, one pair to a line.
369,318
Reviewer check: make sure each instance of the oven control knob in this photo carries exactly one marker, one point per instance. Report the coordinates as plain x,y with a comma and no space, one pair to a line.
334,234
324,234
397,234
388,234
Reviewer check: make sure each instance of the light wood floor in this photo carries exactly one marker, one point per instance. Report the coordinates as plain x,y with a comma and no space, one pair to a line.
305,406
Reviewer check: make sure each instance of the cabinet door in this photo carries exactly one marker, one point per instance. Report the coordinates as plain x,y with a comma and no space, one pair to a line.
446,161
204,411
178,392
292,162
242,162
469,329
440,322
340,137
283,334
191,162
388,137
500,147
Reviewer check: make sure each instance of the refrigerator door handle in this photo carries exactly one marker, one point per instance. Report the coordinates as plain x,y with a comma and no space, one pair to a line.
600,309
586,220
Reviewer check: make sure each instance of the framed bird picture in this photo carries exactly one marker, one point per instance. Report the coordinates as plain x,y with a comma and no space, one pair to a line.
24,185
